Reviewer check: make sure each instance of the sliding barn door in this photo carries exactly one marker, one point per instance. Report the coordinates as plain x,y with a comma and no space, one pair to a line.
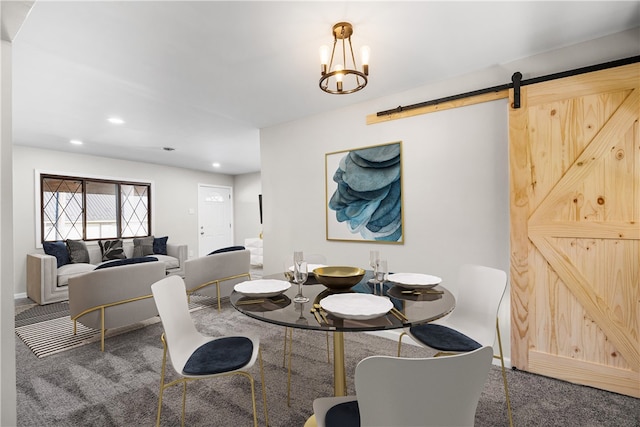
575,229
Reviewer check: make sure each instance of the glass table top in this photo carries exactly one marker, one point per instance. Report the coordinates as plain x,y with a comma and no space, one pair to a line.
415,306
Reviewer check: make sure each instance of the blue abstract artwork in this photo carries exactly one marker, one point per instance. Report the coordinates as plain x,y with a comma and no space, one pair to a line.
364,194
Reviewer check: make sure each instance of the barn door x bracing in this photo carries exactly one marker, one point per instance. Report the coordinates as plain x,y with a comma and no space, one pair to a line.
575,229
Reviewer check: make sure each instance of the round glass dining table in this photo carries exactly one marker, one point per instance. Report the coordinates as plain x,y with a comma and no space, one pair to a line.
410,307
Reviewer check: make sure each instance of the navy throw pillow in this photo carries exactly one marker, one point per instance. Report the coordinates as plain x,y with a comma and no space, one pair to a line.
227,249
59,250
160,245
142,246
126,261
346,414
218,356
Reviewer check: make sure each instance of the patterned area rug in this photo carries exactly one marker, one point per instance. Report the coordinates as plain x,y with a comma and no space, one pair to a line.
48,329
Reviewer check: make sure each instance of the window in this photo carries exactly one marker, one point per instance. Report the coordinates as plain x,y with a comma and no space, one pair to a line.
91,209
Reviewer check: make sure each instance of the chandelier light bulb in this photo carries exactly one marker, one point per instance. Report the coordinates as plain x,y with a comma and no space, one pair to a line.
365,53
324,58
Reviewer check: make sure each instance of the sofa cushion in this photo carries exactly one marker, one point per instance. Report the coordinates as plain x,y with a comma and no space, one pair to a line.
73,269
78,251
125,261
169,261
111,249
160,245
142,246
59,250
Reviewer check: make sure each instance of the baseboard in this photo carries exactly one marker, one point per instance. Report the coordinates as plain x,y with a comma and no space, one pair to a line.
20,296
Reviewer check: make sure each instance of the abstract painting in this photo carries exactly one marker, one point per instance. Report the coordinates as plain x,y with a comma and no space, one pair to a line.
364,194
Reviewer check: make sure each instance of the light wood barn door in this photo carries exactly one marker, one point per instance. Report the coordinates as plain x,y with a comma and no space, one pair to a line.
575,229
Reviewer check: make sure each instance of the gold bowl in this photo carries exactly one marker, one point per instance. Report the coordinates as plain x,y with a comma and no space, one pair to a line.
339,277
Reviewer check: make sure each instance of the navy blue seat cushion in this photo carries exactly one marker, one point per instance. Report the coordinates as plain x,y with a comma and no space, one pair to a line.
59,250
126,261
219,356
227,249
160,245
443,338
344,414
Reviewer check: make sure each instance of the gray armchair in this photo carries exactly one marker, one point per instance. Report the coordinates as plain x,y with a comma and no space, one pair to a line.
215,275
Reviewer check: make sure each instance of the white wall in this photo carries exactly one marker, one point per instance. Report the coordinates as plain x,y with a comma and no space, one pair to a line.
246,208
455,172
175,192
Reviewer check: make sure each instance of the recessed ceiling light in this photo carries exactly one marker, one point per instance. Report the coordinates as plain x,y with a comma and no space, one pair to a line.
76,142
115,120
215,165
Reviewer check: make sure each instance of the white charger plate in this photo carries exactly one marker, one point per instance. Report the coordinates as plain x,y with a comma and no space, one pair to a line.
414,280
356,306
262,288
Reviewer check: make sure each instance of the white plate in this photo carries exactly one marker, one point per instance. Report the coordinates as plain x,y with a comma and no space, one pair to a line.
310,267
414,280
356,306
262,288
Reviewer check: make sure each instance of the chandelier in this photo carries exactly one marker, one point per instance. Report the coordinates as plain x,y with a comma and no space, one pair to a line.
342,76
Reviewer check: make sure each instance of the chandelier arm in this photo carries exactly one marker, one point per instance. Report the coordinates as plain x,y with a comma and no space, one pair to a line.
333,51
353,58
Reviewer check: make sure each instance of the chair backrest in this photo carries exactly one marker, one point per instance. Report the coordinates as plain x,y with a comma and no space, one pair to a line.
181,335
439,391
480,291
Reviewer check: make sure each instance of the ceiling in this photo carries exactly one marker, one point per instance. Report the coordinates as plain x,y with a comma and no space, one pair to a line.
204,77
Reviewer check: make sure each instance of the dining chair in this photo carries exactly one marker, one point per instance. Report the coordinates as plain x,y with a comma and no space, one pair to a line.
288,332
196,356
409,392
473,322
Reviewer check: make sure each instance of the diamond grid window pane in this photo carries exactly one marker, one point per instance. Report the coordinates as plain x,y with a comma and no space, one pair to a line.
61,209
134,210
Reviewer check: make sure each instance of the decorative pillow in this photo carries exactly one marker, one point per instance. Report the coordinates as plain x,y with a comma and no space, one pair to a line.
111,249
160,245
78,251
227,249
125,261
59,250
142,246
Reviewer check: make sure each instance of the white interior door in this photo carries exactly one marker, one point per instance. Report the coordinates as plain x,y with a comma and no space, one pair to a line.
215,218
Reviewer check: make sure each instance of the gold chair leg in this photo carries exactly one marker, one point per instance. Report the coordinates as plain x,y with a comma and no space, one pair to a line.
184,399
102,329
400,342
284,352
289,370
328,355
264,390
162,373
218,294
504,376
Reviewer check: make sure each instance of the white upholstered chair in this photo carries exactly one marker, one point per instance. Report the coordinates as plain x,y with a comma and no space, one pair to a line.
473,323
409,392
196,356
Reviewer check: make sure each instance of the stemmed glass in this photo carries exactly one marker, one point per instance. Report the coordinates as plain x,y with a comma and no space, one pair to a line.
374,261
300,274
381,275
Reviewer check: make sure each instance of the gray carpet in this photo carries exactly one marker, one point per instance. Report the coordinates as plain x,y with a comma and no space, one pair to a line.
84,387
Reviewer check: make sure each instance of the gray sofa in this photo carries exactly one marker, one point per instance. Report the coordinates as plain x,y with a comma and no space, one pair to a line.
215,275
46,283
113,297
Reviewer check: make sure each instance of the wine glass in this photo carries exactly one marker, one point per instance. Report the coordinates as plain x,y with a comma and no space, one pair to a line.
301,320
300,274
374,260
381,275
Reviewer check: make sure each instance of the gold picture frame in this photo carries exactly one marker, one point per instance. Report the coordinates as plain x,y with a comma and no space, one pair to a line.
363,194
